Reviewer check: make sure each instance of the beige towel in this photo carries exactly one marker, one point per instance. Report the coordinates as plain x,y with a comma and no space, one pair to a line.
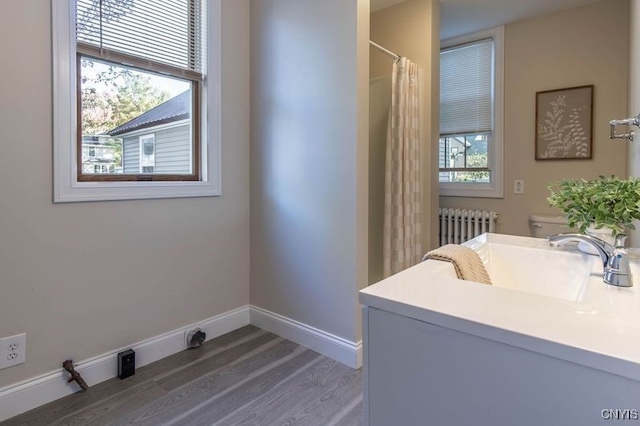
466,262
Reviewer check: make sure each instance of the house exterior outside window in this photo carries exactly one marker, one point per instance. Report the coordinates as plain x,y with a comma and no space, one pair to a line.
168,127
99,155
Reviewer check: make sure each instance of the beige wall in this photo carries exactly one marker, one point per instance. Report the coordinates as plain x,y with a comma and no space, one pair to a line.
573,48
379,102
408,29
362,218
86,278
308,161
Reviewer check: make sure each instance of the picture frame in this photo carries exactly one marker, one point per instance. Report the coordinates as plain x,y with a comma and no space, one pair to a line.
564,124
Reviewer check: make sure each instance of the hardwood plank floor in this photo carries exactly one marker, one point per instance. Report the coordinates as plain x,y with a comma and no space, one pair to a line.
246,377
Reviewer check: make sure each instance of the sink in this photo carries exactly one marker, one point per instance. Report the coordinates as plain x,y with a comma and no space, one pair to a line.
531,265
548,272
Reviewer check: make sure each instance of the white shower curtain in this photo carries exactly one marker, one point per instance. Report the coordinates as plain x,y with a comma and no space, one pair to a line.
402,209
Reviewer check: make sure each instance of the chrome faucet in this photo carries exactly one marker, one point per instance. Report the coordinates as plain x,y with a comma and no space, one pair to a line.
631,121
615,261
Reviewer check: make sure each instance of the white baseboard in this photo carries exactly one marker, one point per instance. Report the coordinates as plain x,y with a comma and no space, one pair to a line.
342,350
25,396
19,398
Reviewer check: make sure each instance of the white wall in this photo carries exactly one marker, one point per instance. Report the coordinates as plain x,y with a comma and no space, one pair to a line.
309,157
84,279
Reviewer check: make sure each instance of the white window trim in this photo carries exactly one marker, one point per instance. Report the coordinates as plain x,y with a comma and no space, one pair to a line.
66,185
495,189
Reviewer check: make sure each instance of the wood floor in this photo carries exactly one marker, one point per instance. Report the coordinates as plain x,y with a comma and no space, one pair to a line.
246,377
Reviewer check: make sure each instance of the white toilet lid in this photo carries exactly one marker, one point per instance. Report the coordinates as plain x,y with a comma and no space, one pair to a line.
544,218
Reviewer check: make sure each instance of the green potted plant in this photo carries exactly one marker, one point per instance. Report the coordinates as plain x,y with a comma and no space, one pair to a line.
606,202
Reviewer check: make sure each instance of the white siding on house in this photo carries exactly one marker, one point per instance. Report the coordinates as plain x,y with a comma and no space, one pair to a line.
131,155
173,151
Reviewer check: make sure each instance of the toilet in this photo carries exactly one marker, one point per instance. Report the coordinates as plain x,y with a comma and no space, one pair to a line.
544,225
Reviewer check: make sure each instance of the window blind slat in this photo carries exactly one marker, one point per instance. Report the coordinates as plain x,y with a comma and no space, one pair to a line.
155,30
466,88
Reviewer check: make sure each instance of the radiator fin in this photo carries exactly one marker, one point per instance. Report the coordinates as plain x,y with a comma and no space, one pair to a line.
460,225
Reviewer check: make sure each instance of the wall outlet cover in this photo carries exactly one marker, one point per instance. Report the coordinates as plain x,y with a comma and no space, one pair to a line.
13,350
518,186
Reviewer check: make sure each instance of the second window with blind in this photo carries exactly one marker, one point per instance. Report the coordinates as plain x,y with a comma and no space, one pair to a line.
470,144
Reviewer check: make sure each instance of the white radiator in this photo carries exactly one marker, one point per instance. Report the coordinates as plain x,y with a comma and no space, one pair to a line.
460,225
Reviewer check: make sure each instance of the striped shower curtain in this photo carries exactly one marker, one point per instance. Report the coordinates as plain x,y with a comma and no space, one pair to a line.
402,206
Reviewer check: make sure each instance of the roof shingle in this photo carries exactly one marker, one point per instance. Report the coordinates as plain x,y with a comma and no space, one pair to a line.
176,108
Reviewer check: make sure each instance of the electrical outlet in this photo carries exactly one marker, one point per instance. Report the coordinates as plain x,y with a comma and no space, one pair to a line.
518,186
13,350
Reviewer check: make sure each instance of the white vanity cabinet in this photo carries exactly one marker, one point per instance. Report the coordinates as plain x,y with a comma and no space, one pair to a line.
548,343
419,373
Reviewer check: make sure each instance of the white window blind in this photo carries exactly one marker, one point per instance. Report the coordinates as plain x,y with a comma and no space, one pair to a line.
165,32
466,88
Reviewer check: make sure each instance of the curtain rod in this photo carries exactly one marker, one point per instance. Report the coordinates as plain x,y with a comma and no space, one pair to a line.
383,50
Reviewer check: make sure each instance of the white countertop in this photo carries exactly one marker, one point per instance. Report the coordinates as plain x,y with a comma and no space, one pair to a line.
601,331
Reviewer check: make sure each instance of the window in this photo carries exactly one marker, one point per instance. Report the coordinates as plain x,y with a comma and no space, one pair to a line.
470,145
125,69
147,154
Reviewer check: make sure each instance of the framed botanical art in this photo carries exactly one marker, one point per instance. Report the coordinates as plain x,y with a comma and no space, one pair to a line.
564,124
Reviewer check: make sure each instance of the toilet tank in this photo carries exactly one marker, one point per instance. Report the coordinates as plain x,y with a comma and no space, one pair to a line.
544,225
